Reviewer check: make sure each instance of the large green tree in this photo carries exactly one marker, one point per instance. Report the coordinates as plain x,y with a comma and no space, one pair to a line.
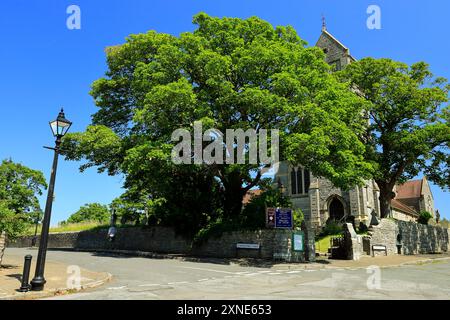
230,74
19,188
409,131
90,212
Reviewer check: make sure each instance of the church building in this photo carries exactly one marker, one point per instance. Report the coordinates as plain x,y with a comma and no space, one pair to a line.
321,201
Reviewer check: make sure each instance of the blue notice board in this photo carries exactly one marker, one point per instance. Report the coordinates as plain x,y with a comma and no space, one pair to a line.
298,241
283,218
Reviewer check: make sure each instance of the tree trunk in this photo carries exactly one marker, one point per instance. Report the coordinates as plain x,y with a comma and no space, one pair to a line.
2,245
386,196
233,202
233,196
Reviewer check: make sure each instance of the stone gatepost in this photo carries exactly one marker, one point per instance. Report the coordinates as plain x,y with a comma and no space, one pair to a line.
282,249
283,246
310,242
353,243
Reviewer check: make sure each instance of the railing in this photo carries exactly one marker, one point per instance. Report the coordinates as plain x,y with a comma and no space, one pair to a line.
336,241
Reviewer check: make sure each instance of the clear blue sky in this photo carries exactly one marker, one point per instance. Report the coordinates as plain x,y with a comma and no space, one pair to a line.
44,65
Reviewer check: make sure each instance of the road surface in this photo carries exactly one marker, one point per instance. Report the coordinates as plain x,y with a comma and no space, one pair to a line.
143,278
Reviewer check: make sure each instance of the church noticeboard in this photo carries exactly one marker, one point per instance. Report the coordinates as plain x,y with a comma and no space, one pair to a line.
270,217
280,218
298,241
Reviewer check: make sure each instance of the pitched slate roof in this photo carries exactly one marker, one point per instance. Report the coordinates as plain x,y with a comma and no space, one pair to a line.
398,205
410,189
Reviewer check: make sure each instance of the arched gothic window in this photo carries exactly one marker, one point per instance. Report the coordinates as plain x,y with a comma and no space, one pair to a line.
300,180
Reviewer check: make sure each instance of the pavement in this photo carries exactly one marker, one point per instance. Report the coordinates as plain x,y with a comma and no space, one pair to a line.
61,278
141,278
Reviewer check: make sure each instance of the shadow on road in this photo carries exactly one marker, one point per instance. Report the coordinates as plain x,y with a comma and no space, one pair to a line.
243,262
15,276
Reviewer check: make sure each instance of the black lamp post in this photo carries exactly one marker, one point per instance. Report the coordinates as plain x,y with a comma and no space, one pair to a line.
59,127
36,221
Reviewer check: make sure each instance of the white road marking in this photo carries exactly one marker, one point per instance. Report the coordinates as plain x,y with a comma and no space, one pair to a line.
274,273
201,280
180,282
212,270
265,271
150,285
116,288
295,271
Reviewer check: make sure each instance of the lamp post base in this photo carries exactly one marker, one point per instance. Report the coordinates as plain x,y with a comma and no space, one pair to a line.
37,284
25,288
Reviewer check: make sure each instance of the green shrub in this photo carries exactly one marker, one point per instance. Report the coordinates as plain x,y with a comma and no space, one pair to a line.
298,218
253,216
254,213
216,229
332,228
424,216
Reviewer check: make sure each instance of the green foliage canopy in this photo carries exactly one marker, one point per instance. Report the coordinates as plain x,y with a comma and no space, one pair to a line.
19,188
409,129
90,212
230,74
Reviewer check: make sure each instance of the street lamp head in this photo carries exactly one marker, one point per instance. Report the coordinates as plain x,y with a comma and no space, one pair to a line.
61,125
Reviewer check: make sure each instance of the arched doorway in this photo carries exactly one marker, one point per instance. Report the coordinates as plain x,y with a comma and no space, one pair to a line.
336,210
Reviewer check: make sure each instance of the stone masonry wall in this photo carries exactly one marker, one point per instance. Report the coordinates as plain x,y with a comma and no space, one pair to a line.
2,245
414,238
274,244
418,238
385,234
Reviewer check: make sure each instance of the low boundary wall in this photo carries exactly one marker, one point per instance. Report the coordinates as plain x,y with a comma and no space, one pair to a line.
274,244
409,237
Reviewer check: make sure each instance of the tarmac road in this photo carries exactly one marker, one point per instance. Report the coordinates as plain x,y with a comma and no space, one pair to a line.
142,278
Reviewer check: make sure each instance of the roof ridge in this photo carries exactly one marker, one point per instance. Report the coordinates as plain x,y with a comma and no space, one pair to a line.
334,39
398,204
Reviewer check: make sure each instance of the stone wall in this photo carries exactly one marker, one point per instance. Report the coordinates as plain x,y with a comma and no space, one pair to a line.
353,243
414,238
142,239
385,233
334,51
274,244
418,238
2,245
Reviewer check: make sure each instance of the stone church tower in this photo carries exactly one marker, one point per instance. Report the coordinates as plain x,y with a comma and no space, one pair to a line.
336,54
317,197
